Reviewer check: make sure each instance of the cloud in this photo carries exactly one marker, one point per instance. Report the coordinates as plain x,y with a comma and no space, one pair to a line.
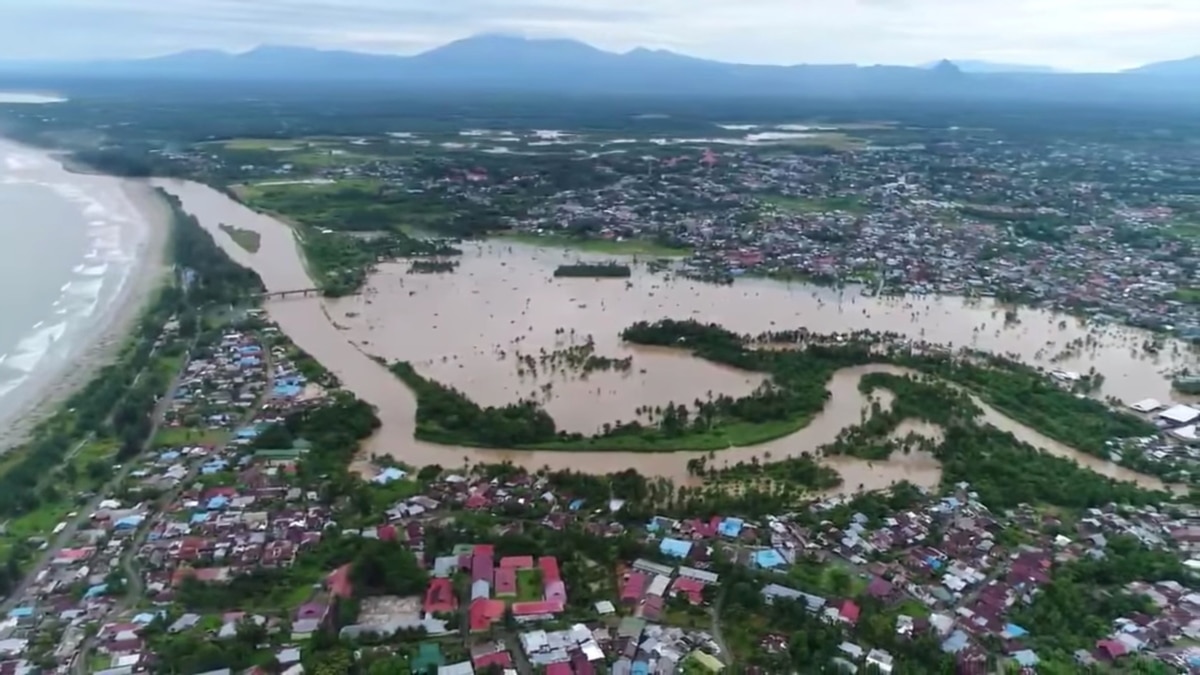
1076,34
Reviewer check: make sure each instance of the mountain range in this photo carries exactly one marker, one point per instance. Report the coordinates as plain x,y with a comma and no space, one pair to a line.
502,63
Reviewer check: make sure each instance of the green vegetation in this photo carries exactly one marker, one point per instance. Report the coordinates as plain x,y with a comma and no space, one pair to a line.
346,228
602,270
247,239
529,585
432,266
813,205
637,247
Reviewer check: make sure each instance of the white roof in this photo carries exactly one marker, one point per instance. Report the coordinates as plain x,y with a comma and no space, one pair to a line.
1187,433
1181,414
1146,405
659,585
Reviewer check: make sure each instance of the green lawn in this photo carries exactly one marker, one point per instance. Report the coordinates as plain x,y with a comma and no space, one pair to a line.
177,436
529,585
607,246
802,205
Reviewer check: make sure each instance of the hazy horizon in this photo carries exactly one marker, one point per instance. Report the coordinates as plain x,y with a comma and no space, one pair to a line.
1075,35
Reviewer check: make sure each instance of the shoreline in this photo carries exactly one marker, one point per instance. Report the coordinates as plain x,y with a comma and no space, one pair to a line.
49,387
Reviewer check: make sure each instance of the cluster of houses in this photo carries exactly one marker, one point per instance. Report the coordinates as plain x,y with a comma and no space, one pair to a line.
646,585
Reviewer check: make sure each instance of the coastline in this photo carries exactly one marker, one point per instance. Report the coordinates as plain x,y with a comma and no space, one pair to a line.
50,385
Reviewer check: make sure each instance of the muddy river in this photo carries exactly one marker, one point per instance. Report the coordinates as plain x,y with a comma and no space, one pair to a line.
467,329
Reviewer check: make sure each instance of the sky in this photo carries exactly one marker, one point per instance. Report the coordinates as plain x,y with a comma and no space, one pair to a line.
1084,35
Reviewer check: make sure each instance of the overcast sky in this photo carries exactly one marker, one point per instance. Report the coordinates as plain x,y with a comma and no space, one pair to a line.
1072,34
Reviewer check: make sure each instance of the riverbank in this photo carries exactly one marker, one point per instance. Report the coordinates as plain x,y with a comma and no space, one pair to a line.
141,221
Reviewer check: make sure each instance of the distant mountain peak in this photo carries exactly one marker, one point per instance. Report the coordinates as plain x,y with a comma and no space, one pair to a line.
946,67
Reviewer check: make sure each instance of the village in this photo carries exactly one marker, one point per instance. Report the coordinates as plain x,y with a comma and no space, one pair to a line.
148,573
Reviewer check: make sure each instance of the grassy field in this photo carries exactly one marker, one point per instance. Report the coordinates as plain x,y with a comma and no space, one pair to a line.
607,246
179,436
529,585
247,239
803,205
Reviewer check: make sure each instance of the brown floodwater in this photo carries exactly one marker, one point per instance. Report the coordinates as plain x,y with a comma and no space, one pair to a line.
467,328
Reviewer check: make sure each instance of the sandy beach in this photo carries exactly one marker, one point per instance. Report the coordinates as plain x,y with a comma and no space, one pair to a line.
52,383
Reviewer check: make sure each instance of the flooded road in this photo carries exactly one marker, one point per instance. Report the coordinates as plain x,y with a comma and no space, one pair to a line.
502,301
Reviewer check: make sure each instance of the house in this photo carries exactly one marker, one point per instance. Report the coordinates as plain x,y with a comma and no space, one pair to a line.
690,588
536,611
439,596
552,583
484,612
632,587
676,548
506,582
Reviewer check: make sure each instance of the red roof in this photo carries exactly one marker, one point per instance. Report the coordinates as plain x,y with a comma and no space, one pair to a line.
691,588
517,562
633,587
484,549
506,581
549,565
502,659
849,611
481,568
484,612
559,669
339,582
536,608
387,532
439,597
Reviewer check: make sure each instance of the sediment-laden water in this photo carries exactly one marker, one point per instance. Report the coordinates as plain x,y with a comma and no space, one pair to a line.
503,299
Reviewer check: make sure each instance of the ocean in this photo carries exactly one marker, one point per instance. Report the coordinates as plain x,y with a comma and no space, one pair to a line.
68,245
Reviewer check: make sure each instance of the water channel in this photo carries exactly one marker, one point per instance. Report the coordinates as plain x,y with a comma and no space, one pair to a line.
503,299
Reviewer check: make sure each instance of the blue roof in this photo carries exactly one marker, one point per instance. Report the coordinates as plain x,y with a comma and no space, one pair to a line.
677,548
731,527
250,349
1026,658
20,612
146,617
769,558
218,502
934,562
96,591
169,456
249,361
955,643
214,466
640,668
129,521
199,518
575,505
248,432
1012,630
287,390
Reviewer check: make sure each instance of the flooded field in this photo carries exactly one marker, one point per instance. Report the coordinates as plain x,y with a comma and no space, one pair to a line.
468,328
